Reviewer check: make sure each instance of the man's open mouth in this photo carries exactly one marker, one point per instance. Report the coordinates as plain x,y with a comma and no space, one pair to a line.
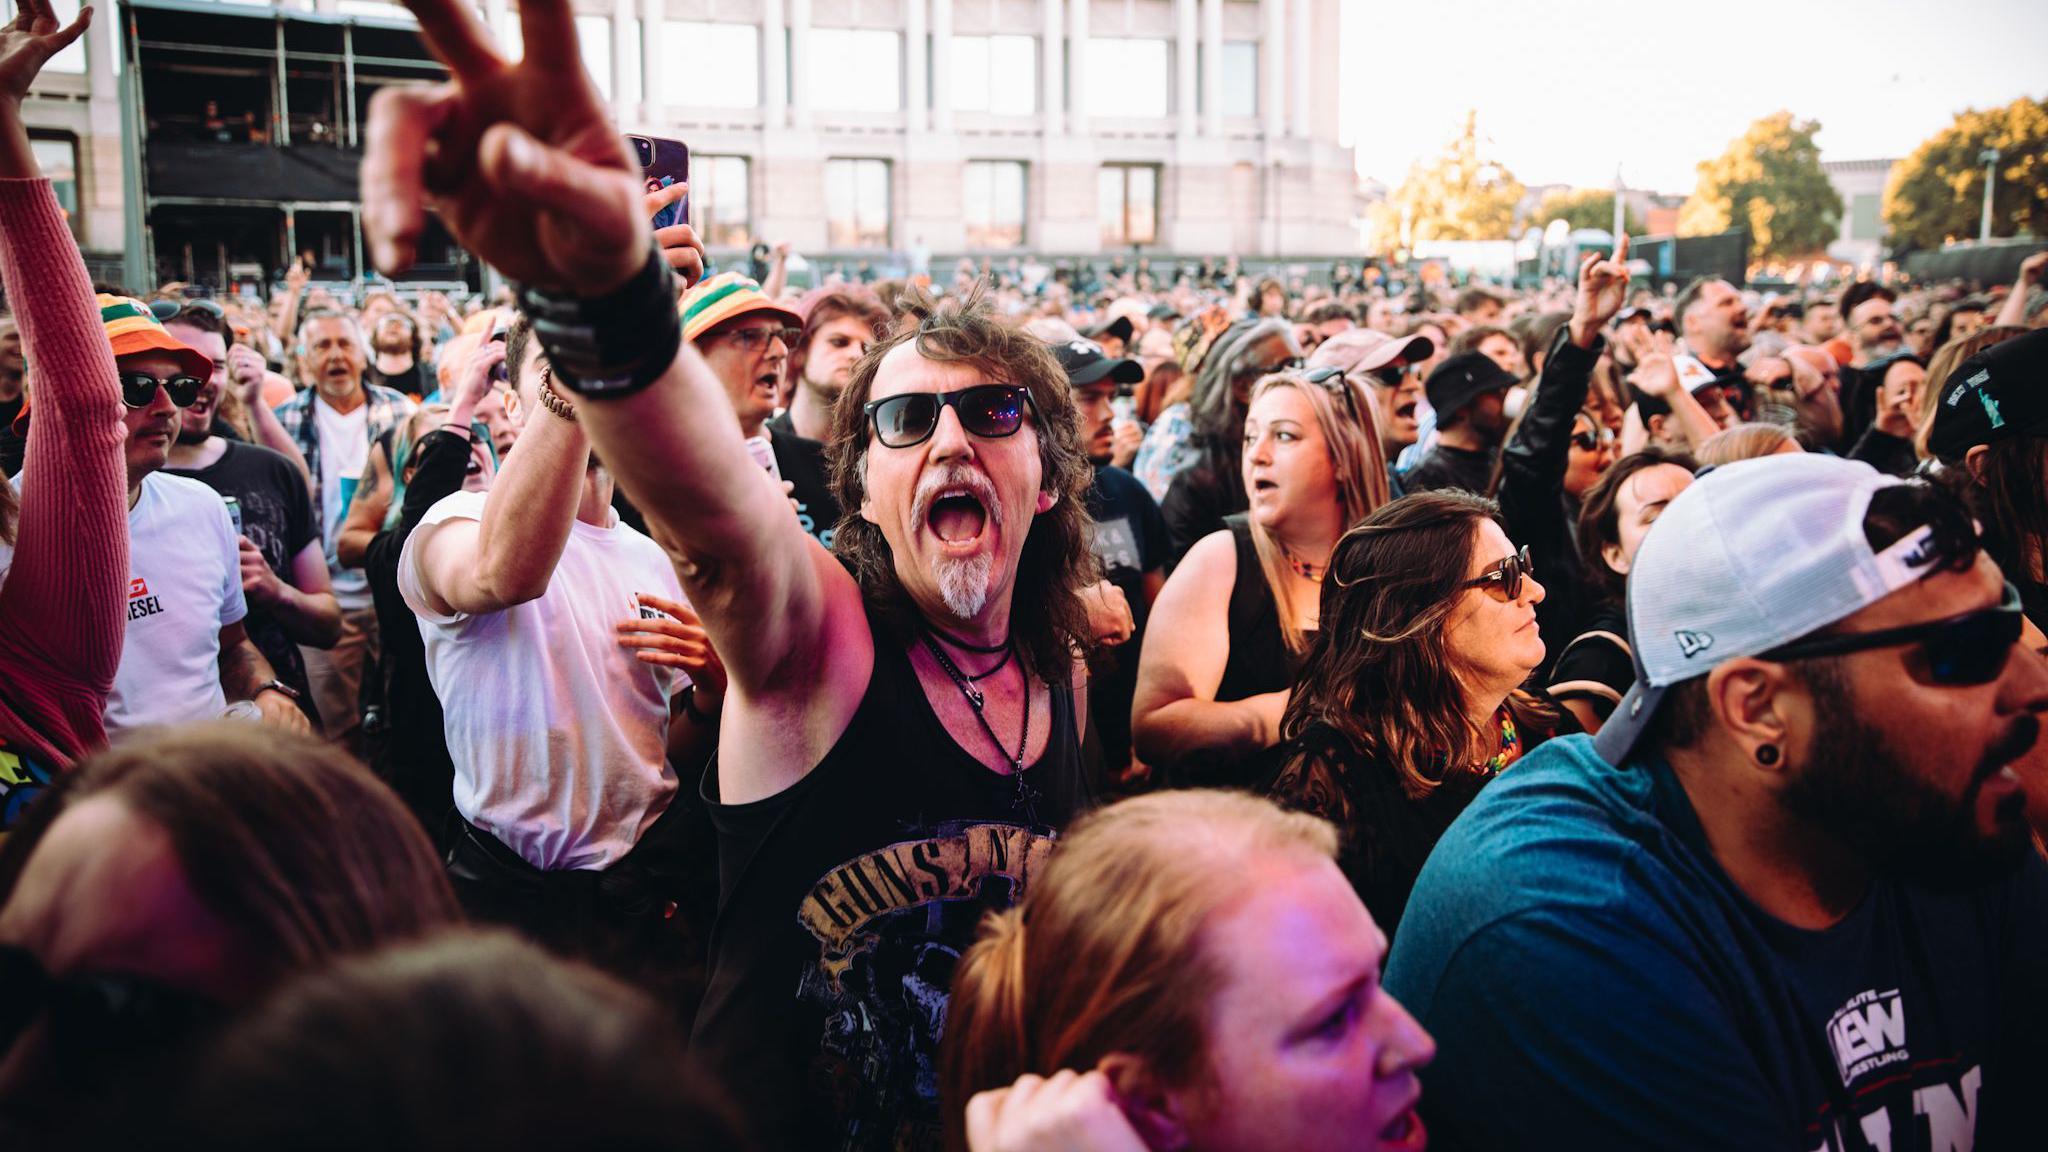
957,516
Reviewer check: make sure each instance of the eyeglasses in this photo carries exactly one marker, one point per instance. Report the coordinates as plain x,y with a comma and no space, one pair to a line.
990,411
754,339
138,389
1391,375
1505,576
1332,380
1592,440
1956,652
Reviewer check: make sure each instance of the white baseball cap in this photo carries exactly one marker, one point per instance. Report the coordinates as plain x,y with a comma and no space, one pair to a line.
1752,556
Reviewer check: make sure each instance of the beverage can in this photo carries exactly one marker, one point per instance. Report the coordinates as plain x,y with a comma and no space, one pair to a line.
764,455
234,512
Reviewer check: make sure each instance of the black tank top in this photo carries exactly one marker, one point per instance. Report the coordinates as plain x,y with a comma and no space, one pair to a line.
1259,660
845,903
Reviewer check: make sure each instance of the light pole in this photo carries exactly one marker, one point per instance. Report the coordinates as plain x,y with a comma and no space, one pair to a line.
1620,221
1988,158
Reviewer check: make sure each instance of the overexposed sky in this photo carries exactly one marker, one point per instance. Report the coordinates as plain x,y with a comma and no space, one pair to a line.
1566,89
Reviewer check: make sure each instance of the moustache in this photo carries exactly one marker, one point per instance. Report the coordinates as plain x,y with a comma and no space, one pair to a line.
956,478
2019,739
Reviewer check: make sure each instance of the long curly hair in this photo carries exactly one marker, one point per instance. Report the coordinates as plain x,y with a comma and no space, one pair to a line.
1380,672
1047,617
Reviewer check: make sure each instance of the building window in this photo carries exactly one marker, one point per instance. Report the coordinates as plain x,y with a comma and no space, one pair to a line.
1129,204
1126,78
1240,78
994,204
857,203
707,66
996,74
57,156
594,36
718,198
1863,220
856,70
629,64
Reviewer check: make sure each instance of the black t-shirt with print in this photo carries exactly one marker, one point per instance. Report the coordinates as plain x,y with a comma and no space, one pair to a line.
277,517
1129,538
845,903
802,462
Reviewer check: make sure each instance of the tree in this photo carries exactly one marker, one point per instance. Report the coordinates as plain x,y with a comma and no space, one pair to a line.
1768,181
1584,208
1936,194
1461,194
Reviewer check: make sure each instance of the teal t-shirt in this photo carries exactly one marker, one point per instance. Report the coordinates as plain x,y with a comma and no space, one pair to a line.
1593,979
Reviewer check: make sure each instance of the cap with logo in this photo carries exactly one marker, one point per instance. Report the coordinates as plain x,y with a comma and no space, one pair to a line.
1086,363
1997,394
723,297
1753,556
1464,378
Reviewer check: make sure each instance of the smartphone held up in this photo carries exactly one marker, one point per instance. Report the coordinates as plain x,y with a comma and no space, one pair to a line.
664,163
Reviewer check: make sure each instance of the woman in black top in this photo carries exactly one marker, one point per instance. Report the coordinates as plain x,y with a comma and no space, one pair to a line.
1595,669
1225,634
1409,699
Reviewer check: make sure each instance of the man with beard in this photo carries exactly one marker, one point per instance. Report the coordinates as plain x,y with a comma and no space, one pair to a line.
1874,331
283,567
900,739
839,324
1714,324
334,422
1469,392
397,359
1785,898
1128,537
185,654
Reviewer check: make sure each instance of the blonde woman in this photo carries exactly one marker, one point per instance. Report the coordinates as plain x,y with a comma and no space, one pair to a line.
1228,629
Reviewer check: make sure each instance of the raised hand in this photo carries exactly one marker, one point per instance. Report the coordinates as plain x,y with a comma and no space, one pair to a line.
475,381
679,642
1070,1112
1603,286
29,40
520,160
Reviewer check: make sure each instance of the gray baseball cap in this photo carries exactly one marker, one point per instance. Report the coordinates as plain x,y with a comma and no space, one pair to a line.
1753,556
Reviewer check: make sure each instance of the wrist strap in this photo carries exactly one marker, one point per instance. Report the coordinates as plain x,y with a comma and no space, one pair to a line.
611,345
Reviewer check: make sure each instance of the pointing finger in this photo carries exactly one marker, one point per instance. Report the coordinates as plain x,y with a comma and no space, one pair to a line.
1620,256
402,120
548,29
663,197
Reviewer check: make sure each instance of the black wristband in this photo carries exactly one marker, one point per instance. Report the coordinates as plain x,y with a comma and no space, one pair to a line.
612,345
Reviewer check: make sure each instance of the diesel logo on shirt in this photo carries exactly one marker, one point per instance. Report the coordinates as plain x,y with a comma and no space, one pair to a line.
140,602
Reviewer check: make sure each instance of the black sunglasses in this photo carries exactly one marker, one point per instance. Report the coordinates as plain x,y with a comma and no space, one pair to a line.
138,389
1959,651
990,411
1507,574
1391,375
1591,439
95,1016
1331,379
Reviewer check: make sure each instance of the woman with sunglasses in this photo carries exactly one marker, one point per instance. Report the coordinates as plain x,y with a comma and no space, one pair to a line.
164,886
62,606
1410,698
1229,627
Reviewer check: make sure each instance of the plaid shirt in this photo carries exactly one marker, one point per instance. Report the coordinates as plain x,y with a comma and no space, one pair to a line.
388,408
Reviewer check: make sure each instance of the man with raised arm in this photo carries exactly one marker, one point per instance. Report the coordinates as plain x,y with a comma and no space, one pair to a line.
901,731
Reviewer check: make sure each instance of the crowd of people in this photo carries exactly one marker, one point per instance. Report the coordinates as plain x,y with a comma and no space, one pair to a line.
1121,712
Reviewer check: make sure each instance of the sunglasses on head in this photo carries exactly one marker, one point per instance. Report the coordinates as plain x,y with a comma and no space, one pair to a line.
990,411
1959,651
138,389
1332,380
1505,576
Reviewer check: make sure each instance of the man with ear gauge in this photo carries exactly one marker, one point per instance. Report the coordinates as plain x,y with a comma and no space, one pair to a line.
1787,897
900,737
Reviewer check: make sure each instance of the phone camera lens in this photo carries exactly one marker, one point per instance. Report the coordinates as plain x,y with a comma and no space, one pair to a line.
644,149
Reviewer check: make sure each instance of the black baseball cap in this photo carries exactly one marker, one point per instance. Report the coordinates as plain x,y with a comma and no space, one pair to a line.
1085,363
1119,327
1464,378
1995,395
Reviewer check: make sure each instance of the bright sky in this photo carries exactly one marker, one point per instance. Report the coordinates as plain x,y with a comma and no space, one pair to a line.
1566,89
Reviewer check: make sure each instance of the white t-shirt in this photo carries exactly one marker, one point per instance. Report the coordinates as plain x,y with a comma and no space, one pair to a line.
184,586
558,734
344,453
